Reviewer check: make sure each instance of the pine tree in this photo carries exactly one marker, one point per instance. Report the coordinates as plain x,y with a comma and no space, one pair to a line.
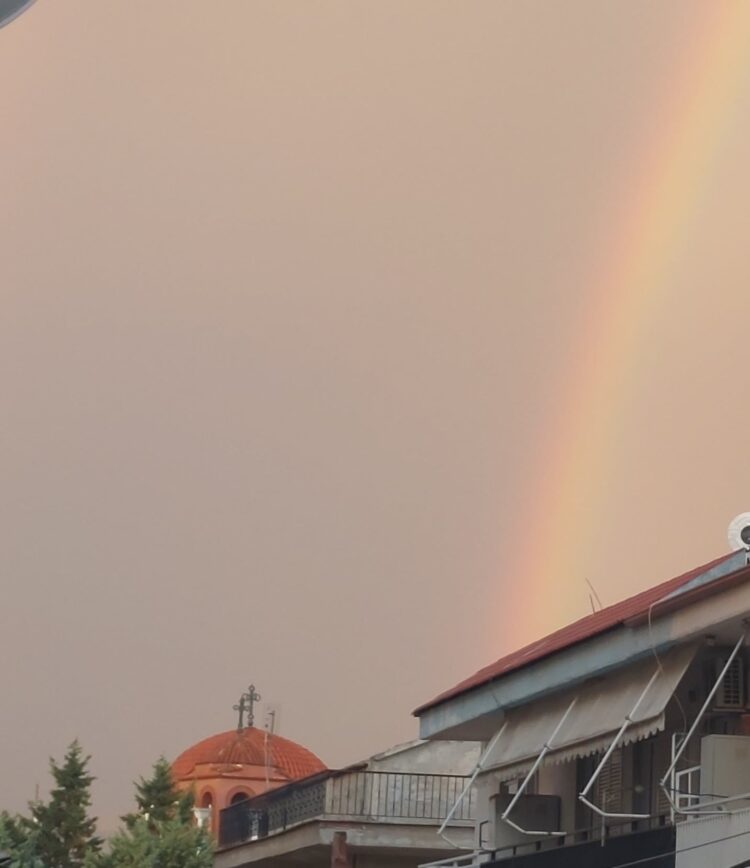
158,800
161,834
12,832
19,842
167,844
64,833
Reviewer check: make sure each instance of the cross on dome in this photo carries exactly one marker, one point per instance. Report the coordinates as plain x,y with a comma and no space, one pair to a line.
246,704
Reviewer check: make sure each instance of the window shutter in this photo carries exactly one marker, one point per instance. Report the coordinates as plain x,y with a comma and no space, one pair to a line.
609,784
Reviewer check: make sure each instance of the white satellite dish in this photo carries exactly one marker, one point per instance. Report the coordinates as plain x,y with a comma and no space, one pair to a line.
10,9
739,532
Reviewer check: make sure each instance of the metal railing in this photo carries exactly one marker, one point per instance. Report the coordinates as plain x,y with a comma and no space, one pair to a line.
361,795
550,850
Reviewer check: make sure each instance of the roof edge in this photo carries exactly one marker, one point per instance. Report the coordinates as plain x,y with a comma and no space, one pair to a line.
678,591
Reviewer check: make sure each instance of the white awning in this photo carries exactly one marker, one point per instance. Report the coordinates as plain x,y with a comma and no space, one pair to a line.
600,710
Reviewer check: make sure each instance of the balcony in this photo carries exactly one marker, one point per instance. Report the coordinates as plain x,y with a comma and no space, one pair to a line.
653,841
364,796
717,839
648,842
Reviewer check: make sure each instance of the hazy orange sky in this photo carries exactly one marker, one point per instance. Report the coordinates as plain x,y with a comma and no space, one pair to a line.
290,294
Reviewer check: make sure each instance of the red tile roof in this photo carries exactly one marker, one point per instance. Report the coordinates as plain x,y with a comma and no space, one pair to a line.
247,747
585,628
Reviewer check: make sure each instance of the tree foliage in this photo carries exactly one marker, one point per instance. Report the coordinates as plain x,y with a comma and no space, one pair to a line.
62,831
161,833
166,844
59,833
19,842
158,800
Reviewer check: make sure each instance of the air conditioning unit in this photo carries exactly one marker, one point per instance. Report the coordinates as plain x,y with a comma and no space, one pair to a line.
725,767
731,693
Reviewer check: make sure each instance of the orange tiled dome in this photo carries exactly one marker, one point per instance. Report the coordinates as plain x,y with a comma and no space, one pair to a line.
248,747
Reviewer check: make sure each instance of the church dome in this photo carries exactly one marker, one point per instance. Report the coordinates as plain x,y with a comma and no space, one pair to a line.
247,747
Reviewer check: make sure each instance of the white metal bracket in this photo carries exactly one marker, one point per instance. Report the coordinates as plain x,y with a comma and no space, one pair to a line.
583,795
468,785
668,775
505,817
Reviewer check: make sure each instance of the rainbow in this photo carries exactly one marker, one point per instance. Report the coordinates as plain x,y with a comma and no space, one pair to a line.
629,287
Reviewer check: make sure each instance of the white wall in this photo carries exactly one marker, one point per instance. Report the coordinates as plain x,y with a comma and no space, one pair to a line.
714,841
560,780
725,766
554,780
429,757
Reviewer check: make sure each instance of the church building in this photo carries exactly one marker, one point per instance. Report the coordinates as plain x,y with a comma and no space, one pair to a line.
232,766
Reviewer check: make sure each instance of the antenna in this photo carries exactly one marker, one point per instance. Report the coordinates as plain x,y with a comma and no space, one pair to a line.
272,718
595,597
269,728
739,532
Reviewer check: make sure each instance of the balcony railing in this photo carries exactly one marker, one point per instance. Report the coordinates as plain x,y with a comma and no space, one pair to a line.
373,796
647,842
599,846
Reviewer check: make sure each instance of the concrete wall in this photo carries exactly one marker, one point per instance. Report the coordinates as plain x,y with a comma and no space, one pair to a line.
718,841
486,787
391,845
429,757
557,780
560,780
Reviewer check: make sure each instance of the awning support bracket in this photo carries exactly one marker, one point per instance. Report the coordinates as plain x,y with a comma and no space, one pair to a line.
505,817
691,732
468,785
582,796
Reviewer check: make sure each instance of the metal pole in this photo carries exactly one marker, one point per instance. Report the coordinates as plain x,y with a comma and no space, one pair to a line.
602,812
519,792
697,720
468,785
626,723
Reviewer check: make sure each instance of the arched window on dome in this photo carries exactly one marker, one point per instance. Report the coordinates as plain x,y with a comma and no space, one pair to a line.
204,809
239,797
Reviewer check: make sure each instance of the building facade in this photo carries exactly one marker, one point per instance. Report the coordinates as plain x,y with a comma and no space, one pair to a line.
235,765
621,738
381,813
